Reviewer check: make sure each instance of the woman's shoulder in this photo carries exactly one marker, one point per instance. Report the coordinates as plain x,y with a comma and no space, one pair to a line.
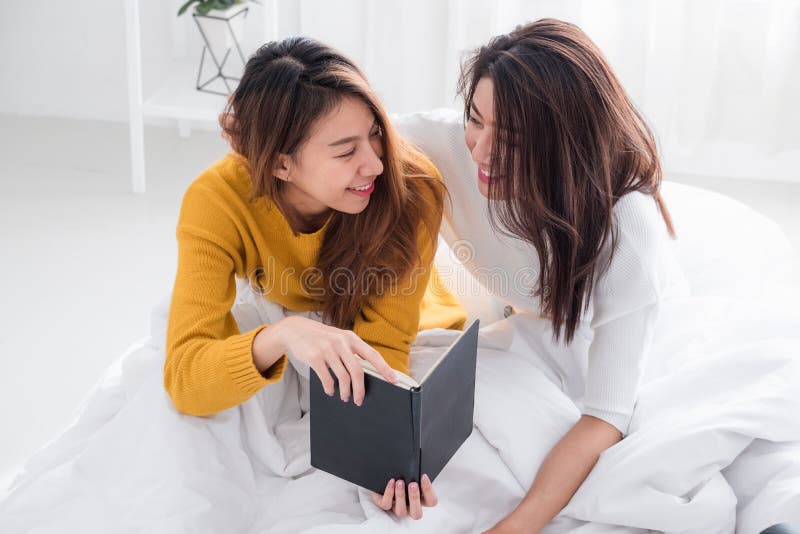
439,134
643,265
420,164
638,219
227,177
440,122
217,198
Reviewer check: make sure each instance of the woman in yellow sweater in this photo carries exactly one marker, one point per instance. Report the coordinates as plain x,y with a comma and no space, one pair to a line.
322,208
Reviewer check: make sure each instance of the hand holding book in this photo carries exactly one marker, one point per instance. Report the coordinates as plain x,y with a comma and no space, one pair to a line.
405,431
394,497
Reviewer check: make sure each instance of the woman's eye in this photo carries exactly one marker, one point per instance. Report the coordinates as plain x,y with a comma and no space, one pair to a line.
348,154
472,119
377,132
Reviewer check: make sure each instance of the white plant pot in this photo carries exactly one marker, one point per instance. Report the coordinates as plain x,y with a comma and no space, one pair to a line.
218,33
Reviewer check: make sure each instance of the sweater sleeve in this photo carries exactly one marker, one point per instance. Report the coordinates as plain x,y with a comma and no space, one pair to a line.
617,357
209,364
626,306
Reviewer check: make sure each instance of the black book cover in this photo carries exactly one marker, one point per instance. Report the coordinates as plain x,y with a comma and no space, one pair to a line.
397,433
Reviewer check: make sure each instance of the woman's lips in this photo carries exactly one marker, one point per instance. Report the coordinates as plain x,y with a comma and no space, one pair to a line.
363,192
483,177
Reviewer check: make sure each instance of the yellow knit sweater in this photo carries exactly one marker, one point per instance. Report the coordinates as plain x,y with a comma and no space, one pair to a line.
223,236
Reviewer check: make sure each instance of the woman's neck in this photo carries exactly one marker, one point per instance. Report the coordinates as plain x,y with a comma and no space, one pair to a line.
304,216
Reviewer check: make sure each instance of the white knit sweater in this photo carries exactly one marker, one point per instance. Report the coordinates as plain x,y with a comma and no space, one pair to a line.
625,301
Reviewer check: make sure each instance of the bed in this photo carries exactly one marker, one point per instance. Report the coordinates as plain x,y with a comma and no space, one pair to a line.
714,445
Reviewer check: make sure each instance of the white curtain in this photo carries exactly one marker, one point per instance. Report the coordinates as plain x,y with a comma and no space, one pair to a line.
719,80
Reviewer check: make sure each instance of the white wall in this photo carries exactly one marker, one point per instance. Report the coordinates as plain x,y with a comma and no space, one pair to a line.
717,79
61,60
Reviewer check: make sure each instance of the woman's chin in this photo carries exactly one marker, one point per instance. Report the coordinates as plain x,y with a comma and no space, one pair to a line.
483,187
353,208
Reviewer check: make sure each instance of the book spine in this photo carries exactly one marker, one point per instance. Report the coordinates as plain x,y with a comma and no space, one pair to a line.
416,427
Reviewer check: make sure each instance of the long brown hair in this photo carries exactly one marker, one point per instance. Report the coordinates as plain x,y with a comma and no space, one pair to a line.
286,87
568,143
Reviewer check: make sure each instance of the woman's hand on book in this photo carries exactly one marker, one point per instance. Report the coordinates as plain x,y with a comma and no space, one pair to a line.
394,498
325,347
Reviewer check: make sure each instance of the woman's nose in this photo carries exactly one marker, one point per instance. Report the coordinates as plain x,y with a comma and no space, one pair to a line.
482,151
372,164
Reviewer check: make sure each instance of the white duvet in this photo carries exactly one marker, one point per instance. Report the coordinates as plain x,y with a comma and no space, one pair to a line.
714,445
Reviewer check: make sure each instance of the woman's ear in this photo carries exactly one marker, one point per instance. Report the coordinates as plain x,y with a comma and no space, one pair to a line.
282,170
230,129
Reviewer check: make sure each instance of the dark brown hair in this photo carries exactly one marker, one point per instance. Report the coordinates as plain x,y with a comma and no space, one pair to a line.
289,85
568,143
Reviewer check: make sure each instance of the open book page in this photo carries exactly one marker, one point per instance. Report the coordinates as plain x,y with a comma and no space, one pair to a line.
424,360
403,380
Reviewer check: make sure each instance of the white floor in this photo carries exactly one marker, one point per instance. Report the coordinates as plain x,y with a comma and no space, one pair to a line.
84,260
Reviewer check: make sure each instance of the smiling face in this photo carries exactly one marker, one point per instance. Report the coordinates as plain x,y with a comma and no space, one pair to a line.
337,166
479,132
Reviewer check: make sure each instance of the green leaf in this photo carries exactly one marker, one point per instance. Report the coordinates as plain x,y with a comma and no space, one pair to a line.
185,6
204,6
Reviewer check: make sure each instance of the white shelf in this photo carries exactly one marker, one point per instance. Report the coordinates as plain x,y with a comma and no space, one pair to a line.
177,98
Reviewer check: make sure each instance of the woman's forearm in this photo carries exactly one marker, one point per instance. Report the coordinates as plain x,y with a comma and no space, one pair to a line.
563,471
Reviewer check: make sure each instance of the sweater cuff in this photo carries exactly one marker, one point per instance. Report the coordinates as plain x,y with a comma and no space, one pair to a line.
618,420
242,369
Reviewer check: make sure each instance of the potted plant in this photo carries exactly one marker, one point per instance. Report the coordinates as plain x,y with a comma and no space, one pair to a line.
204,6
220,22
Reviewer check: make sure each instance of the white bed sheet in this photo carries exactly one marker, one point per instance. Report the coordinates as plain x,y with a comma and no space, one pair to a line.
714,443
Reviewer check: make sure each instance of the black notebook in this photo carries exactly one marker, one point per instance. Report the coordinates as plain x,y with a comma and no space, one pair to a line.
402,430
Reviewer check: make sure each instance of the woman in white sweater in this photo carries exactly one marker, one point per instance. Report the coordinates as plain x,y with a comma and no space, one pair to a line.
575,235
